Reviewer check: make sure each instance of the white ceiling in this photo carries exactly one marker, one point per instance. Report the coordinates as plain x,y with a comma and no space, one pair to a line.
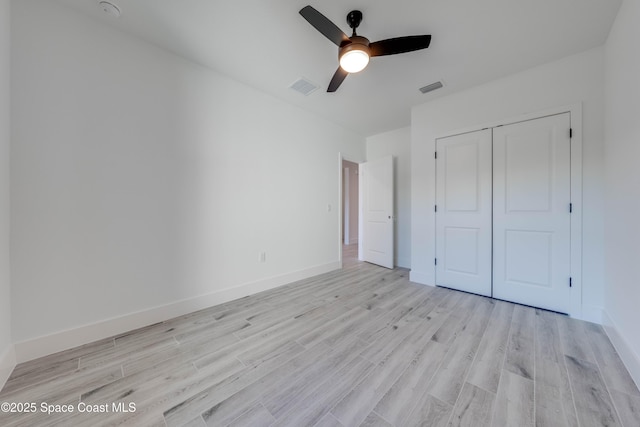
268,45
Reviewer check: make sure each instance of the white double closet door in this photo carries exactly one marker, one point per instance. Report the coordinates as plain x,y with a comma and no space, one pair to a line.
503,216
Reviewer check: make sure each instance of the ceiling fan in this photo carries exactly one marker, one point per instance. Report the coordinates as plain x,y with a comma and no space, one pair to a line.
354,52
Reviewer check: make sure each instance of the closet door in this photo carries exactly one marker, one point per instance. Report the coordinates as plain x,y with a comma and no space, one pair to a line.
531,218
463,212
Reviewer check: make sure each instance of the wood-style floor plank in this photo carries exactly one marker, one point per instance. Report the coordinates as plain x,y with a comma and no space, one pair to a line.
487,366
374,420
473,408
520,357
514,404
613,371
593,403
318,404
451,376
407,392
574,339
628,407
554,398
329,421
429,412
357,346
256,416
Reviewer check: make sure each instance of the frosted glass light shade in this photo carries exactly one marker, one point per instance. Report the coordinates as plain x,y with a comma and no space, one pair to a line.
354,60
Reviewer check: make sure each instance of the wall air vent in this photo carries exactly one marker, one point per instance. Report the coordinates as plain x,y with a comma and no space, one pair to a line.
432,86
304,86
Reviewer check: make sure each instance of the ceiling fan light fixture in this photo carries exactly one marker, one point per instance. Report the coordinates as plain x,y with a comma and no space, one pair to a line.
354,57
354,52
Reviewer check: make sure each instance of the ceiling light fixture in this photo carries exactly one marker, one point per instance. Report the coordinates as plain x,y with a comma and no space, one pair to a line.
354,57
354,52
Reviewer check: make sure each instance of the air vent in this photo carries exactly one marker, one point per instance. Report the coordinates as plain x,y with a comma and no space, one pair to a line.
432,86
304,86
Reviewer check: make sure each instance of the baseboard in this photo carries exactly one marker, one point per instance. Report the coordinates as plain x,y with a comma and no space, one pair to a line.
7,363
630,359
421,278
64,340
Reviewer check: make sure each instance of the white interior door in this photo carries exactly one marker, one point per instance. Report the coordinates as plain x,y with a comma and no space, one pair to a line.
463,212
378,211
531,227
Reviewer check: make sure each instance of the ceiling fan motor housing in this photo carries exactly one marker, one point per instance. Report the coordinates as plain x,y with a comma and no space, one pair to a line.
357,43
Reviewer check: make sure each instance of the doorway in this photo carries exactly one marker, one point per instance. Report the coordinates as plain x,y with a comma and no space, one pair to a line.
350,212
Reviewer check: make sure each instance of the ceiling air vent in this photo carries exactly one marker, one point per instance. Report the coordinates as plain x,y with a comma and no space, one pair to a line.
304,86
432,86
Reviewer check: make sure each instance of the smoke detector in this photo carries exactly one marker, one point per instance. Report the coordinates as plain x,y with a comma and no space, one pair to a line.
110,9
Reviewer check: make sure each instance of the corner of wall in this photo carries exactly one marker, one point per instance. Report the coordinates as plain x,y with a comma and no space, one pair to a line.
404,262
7,354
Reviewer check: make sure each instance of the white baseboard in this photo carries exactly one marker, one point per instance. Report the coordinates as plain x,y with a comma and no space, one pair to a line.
7,363
421,278
630,359
64,340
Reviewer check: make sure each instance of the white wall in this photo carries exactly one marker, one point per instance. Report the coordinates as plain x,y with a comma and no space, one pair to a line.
622,157
397,143
141,180
6,349
578,78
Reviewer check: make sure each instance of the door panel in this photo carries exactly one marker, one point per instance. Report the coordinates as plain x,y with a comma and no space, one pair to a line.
528,174
531,219
461,249
528,257
463,219
461,177
378,211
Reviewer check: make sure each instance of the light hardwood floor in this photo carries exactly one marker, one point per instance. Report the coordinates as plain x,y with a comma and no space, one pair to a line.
360,346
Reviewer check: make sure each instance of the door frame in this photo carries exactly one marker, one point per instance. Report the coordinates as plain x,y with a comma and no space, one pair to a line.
575,263
346,208
341,157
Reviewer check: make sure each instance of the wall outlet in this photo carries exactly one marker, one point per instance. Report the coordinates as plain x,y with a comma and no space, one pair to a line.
262,257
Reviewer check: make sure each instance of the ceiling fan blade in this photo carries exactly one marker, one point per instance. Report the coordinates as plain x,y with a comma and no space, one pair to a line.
399,45
337,79
322,24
